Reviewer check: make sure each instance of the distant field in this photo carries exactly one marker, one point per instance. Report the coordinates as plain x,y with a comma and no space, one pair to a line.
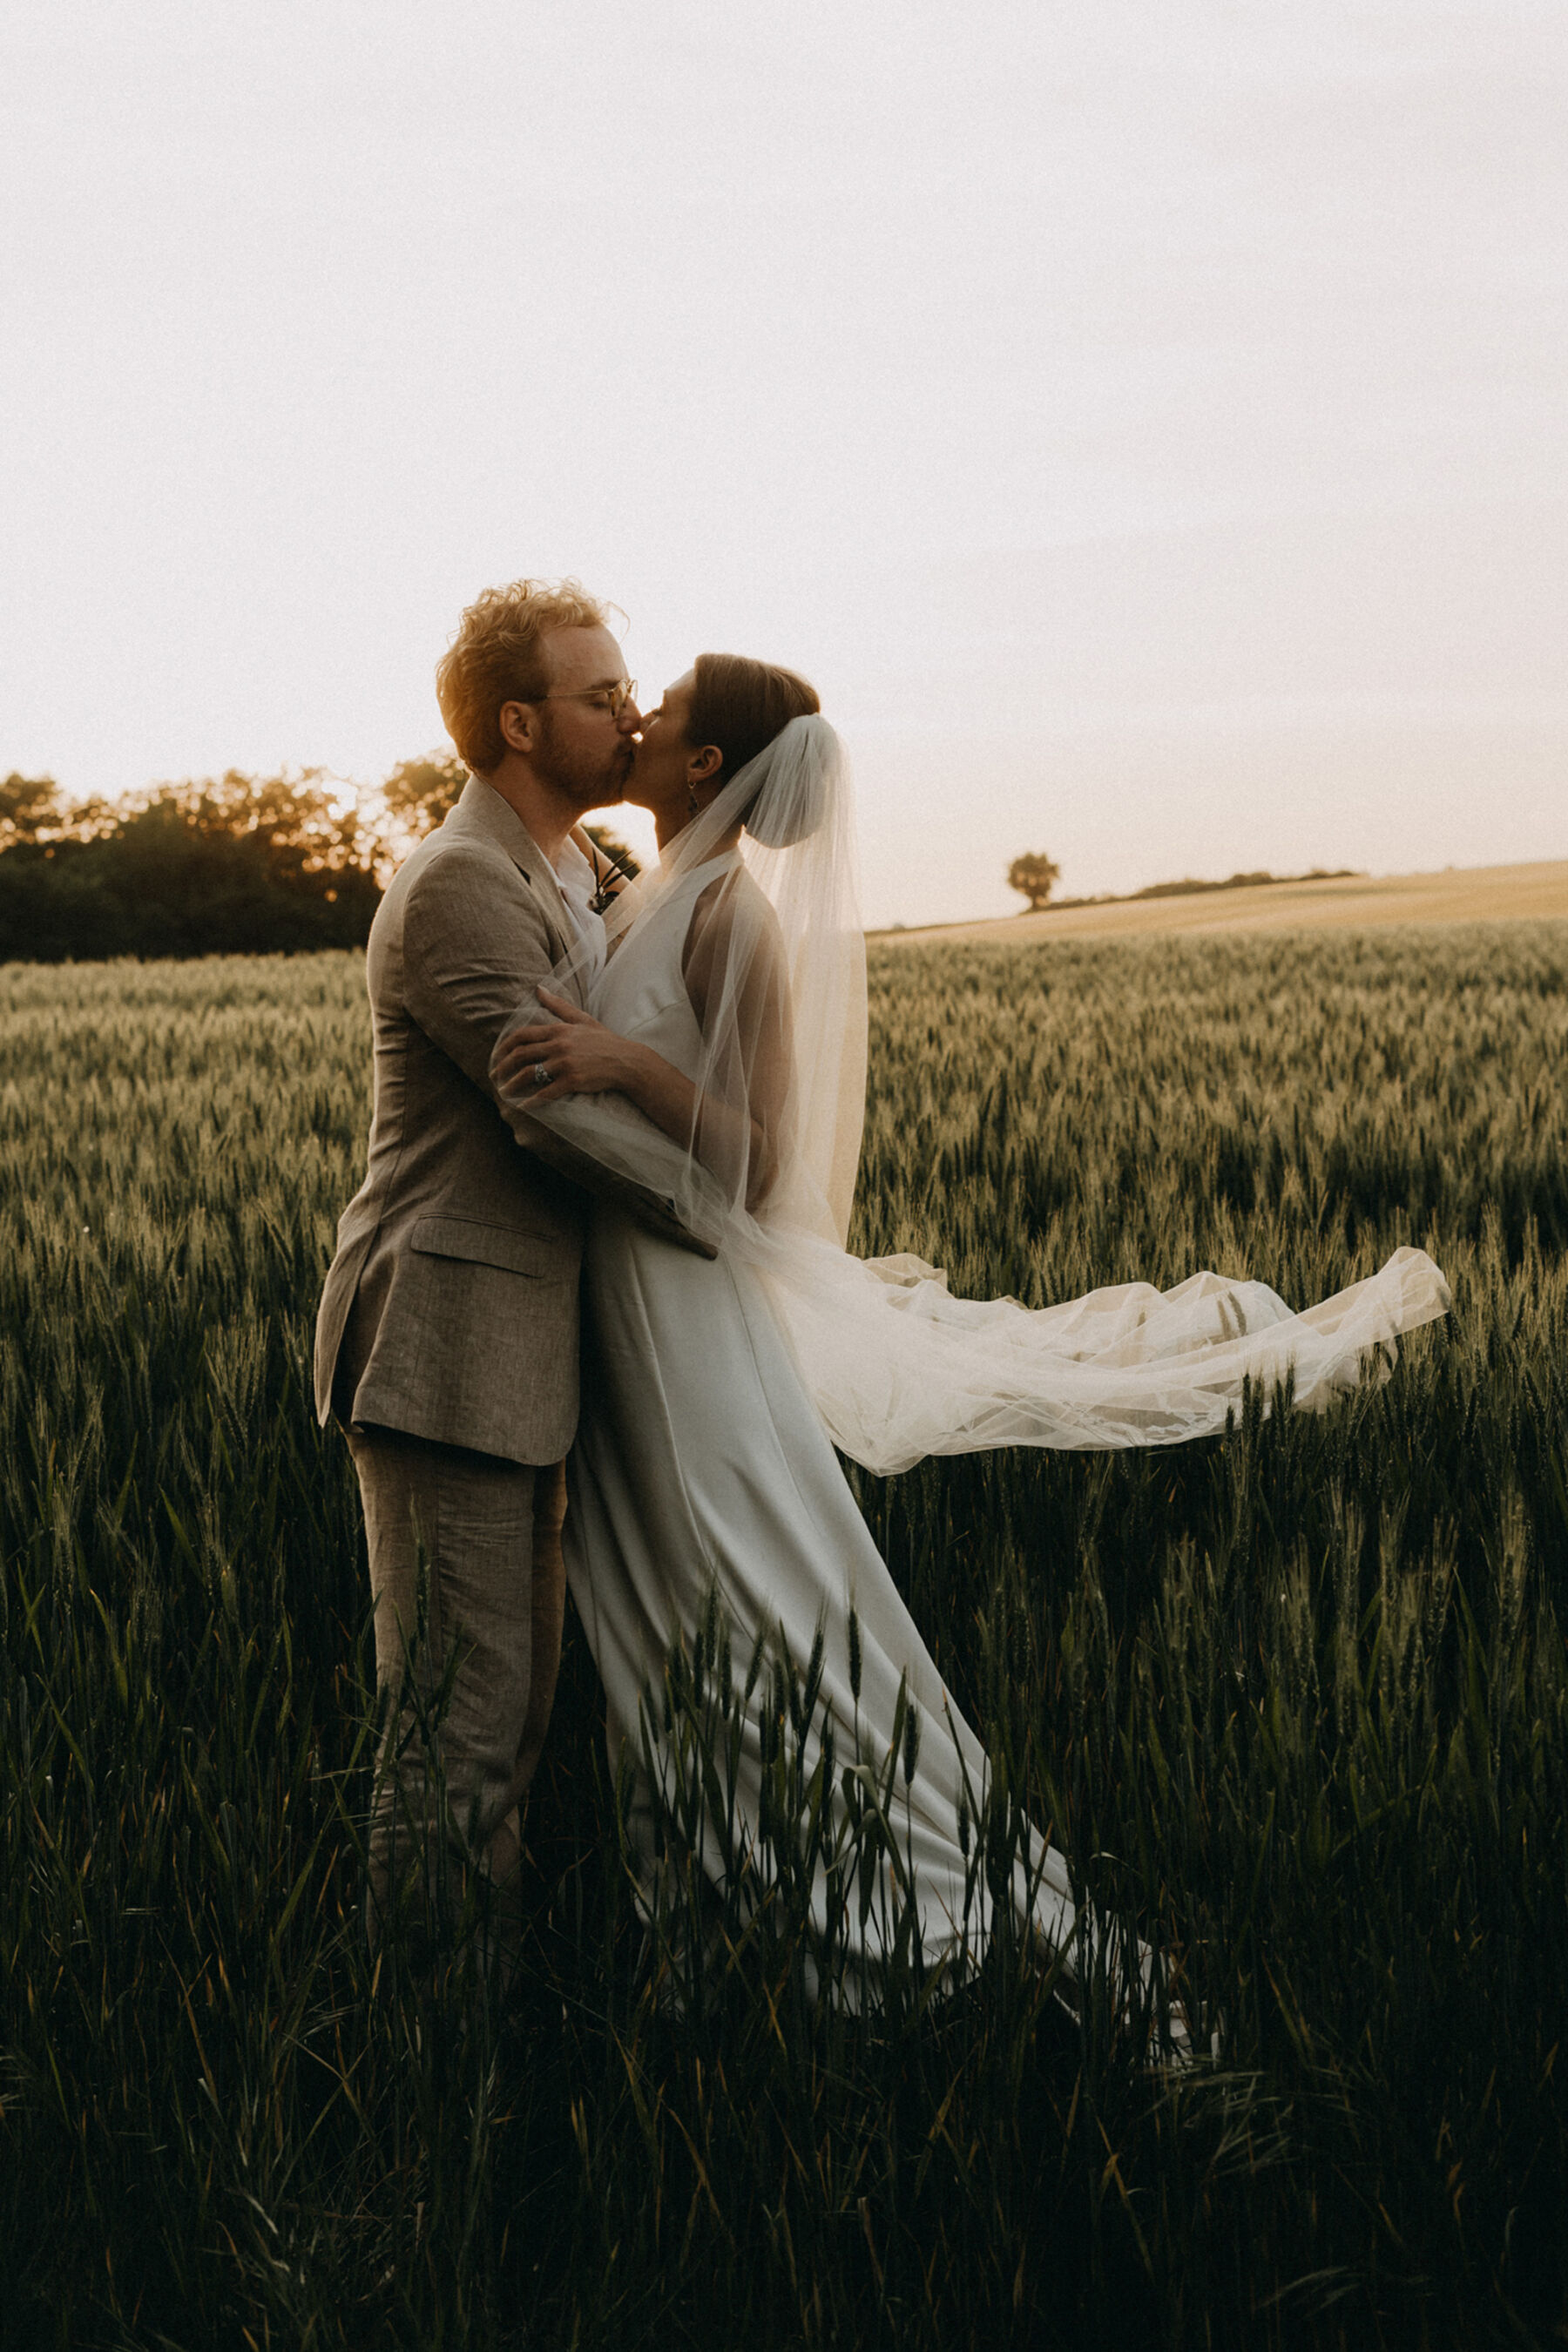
1294,1701
1474,894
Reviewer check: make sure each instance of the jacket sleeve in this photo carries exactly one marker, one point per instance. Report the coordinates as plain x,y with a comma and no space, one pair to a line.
473,950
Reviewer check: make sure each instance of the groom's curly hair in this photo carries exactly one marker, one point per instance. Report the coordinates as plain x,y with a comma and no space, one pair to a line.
497,657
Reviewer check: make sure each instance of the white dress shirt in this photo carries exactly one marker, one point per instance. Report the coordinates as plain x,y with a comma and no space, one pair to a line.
578,884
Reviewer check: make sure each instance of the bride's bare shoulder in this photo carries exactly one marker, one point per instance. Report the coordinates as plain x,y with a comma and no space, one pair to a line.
732,924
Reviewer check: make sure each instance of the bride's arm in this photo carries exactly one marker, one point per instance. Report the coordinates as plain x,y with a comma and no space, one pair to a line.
584,1057
736,1140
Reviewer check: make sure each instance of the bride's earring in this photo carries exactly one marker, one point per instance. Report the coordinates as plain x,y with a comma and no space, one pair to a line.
691,800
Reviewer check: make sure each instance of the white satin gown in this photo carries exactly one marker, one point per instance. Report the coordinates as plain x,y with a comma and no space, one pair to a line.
701,1464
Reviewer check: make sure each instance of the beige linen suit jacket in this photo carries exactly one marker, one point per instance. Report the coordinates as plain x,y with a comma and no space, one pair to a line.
458,1256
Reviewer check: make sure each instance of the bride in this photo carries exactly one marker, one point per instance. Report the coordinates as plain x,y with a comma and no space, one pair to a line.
719,1058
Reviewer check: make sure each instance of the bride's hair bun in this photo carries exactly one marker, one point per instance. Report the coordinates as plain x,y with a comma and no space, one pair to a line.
791,797
743,707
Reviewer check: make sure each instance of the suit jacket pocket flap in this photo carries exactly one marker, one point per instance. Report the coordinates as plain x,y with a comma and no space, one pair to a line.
543,1256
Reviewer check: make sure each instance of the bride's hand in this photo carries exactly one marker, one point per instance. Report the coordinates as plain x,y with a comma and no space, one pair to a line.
581,1056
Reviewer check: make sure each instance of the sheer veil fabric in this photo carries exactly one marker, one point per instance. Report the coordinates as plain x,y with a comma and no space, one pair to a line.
895,1367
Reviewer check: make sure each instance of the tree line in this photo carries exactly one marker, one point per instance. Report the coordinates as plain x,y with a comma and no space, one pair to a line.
236,865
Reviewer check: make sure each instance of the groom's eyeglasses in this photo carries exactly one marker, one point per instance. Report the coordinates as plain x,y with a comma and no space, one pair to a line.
613,699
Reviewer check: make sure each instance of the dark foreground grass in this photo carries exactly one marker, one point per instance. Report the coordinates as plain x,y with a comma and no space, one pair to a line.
1295,1702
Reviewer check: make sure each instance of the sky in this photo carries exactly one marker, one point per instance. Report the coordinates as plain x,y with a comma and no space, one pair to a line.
1142,419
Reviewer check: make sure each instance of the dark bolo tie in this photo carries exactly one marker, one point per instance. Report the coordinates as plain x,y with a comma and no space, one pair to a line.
604,878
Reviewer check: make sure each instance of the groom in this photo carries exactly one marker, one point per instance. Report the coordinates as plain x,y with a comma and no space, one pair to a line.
447,1341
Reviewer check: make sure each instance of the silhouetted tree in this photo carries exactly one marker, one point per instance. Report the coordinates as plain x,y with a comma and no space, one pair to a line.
227,864
236,865
28,805
1035,874
309,813
418,793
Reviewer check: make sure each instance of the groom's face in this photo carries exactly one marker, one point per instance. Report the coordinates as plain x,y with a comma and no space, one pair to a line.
585,750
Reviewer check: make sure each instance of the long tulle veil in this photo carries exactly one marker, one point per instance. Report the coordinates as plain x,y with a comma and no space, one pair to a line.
766,935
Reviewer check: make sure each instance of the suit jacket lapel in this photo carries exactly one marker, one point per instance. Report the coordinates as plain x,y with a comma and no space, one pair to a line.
479,805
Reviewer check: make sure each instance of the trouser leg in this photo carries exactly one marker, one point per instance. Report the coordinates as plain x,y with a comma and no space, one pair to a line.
457,1619
547,1617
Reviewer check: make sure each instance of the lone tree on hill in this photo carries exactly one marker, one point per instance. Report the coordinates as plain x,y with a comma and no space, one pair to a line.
1034,874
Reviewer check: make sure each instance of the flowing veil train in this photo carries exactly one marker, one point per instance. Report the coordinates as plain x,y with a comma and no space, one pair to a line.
895,1367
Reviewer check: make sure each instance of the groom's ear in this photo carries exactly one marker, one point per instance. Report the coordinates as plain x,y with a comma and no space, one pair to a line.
519,724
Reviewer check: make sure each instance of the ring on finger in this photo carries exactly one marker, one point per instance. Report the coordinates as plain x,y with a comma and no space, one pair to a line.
541,1074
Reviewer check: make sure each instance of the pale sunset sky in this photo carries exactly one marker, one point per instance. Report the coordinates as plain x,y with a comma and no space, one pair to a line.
1144,419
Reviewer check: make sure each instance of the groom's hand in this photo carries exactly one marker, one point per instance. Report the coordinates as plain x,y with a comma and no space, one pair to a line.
571,1053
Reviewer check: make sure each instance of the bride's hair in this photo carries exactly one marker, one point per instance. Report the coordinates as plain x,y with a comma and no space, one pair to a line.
497,657
740,706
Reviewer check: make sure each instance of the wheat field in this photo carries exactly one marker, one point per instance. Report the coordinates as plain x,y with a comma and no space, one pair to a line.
1294,1702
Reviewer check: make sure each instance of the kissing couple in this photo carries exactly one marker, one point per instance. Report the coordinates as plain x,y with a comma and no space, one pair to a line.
592,1318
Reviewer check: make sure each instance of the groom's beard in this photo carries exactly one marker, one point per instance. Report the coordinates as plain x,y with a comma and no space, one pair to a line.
593,779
